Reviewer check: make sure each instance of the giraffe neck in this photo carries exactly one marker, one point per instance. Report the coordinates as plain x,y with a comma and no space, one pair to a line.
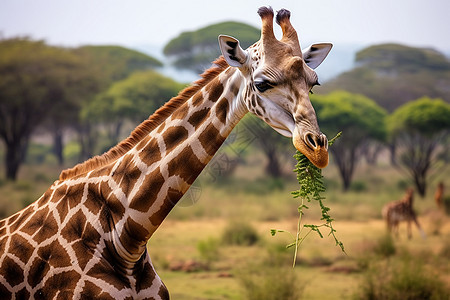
150,179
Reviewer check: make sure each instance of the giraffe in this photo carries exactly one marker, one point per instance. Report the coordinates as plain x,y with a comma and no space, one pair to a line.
86,236
402,210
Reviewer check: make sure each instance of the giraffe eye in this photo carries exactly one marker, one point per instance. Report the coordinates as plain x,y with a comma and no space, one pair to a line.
263,86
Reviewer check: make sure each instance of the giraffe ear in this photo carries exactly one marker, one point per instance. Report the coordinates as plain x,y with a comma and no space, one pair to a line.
232,51
315,54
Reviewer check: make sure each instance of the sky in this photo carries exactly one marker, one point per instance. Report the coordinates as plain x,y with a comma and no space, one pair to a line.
149,22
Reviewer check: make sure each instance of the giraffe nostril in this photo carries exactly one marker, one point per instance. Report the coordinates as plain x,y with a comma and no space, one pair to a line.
310,141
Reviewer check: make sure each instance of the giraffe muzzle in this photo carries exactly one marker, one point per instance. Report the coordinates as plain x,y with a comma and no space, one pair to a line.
314,147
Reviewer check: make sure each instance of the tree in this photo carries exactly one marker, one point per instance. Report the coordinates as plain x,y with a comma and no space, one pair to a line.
35,79
133,98
108,64
420,127
359,118
195,50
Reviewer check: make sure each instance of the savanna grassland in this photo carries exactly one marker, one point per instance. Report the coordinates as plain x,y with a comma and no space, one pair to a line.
216,243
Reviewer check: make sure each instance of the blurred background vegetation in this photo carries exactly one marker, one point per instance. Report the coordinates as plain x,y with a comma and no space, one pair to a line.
60,106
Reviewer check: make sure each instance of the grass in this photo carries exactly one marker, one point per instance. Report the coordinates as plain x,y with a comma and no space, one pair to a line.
323,271
193,232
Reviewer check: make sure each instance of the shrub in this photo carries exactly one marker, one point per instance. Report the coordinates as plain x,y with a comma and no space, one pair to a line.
385,246
208,250
358,186
407,280
270,283
278,255
240,233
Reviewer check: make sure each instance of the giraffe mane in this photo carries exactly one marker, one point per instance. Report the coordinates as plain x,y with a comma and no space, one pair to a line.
142,130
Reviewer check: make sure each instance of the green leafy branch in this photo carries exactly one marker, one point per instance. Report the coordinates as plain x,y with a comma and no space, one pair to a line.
311,186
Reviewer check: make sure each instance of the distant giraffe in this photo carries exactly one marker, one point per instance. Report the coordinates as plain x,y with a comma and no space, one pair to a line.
86,237
402,210
439,195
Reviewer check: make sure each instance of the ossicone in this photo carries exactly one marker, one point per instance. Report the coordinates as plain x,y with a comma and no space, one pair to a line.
265,11
282,15
289,34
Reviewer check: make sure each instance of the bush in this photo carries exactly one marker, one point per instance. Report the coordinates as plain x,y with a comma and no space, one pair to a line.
278,255
358,186
240,233
406,280
209,250
270,283
385,246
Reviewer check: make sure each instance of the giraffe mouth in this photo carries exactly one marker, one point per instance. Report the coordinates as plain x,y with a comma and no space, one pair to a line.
313,146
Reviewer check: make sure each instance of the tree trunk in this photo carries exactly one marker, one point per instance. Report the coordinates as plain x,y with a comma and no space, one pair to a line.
421,184
346,159
58,146
273,166
87,142
393,150
116,133
15,154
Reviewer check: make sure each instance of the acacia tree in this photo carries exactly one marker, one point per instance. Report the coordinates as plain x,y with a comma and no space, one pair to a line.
108,64
35,79
359,118
420,129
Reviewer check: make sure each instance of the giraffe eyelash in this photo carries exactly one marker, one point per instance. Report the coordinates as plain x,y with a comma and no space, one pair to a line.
263,86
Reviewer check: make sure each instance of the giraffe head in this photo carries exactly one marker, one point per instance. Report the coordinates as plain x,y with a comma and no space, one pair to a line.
279,77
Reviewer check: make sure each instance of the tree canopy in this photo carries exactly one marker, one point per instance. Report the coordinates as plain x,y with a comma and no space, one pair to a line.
195,50
425,115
